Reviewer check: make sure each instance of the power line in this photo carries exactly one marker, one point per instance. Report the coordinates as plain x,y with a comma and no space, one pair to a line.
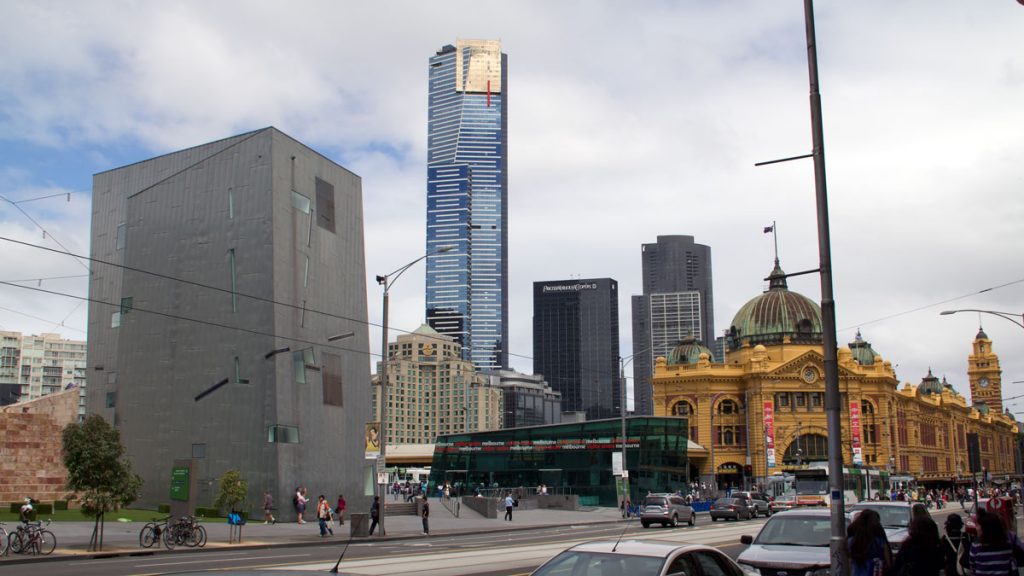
49,278
38,318
925,307
187,319
40,226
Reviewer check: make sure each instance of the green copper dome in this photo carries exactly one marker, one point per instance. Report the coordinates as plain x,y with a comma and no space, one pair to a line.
687,352
863,353
775,315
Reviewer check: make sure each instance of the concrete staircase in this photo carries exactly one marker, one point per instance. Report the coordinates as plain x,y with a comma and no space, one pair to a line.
392,508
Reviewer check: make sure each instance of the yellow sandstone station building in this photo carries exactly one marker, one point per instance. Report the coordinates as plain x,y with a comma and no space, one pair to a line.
761,409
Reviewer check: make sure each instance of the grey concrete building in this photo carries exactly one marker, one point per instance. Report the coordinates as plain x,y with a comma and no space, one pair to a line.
677,302
233,262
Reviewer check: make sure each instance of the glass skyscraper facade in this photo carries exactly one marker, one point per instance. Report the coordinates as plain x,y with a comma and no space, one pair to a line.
467,199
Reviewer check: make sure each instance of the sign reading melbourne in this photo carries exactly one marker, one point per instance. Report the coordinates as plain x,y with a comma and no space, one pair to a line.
179,483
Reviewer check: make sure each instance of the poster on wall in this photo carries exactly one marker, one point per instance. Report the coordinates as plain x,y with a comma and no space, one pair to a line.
858,458
769,432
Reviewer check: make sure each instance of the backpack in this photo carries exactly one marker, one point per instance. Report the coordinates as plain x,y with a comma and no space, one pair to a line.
963,555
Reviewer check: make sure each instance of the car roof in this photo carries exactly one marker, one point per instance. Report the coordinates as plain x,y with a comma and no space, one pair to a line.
815,512
636,547
882,503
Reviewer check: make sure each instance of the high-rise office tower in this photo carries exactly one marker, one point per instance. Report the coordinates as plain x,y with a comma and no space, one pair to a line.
467,199
676,303
576,343
237,269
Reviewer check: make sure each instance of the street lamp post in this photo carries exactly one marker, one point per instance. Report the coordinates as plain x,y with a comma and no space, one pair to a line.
387,281
623,362
1004,315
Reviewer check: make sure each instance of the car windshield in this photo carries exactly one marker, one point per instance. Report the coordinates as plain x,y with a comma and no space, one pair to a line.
796,531
654,501
892,516
578,563
726,501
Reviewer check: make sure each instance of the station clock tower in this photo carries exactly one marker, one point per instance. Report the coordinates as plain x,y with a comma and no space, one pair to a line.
985,375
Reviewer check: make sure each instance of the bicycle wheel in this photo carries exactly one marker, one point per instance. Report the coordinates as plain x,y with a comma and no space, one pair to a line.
169,539
202,535
15,542
147,536
46,541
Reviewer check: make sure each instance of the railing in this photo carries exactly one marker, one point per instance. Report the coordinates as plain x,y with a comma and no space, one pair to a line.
452,504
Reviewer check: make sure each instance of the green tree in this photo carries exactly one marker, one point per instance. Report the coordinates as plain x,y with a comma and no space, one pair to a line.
98,471
232,492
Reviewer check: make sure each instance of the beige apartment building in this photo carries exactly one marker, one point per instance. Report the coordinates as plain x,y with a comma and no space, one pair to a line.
432,390
33,366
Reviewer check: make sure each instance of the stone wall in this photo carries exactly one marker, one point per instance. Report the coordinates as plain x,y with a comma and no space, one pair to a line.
31,455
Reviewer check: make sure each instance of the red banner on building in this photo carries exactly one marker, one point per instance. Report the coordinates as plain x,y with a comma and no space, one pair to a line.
769,432
858,459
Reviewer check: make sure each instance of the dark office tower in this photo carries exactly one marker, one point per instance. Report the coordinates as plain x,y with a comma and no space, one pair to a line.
576,343
467,199
226,269
677,303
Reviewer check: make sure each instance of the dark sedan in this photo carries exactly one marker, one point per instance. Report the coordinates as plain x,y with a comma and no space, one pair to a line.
731,508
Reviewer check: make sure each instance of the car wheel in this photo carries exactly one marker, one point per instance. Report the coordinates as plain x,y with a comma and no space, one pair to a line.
693,519
674,522
646,524
713,519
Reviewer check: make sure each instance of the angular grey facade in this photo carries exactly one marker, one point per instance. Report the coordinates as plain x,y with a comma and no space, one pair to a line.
677,301
576,343
223,254
527,400
467,199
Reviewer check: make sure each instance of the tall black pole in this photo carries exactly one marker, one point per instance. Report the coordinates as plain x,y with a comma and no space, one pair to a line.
383,410
837,543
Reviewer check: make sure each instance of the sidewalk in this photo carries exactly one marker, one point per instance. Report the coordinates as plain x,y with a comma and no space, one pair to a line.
122,538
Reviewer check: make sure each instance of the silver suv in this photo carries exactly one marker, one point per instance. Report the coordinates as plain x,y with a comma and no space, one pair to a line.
667,510
757,502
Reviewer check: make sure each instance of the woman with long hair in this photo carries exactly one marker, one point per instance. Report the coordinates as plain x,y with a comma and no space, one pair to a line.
991,553
867,545
919,554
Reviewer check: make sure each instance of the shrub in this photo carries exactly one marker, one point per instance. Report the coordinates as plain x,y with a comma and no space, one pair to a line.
163,508
207,512
60,505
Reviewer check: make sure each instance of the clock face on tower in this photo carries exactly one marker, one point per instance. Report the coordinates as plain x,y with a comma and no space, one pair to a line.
983,382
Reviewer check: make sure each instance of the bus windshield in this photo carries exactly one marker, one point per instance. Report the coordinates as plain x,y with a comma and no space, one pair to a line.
812,486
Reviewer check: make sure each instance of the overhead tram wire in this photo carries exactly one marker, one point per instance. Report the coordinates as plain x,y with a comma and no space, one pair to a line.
45,231
38,318
187,319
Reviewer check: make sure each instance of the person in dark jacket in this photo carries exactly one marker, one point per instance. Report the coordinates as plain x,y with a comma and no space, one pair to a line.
867,545
953,542
374,514
919,554
425,514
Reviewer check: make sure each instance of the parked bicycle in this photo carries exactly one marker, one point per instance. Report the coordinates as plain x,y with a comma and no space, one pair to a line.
32,538
152,532
185,531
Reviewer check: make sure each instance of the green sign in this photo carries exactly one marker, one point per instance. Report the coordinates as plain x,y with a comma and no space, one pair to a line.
179,483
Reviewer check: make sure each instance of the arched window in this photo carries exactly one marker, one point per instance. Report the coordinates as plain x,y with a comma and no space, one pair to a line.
728,406
804,326
727,437
806,448
866,407
683,408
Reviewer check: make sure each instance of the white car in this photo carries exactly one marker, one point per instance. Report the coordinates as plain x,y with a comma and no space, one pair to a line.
795,541
637,557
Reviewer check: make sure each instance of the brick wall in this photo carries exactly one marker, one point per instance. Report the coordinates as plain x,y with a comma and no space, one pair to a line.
31,458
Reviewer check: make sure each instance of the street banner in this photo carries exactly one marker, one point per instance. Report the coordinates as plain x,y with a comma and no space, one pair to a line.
372,436
858,458
769,432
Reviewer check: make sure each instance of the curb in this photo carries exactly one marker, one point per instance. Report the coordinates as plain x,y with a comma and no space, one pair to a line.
125,552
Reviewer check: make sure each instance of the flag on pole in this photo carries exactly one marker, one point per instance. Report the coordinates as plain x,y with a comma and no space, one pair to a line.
768,229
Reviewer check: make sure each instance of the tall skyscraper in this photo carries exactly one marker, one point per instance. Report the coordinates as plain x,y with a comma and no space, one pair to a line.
676,303
233,263
576,343
467,199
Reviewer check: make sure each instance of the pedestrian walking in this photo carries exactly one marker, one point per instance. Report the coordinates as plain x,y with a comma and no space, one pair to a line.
268,508
374,514
509,503
300,503
323,516
867,545
339,509
425,514
919,554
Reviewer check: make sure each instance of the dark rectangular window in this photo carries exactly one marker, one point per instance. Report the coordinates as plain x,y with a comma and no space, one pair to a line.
122,230
126,305
332,379
325,205
111,399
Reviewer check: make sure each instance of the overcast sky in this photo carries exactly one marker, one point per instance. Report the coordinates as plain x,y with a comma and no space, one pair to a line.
626,120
